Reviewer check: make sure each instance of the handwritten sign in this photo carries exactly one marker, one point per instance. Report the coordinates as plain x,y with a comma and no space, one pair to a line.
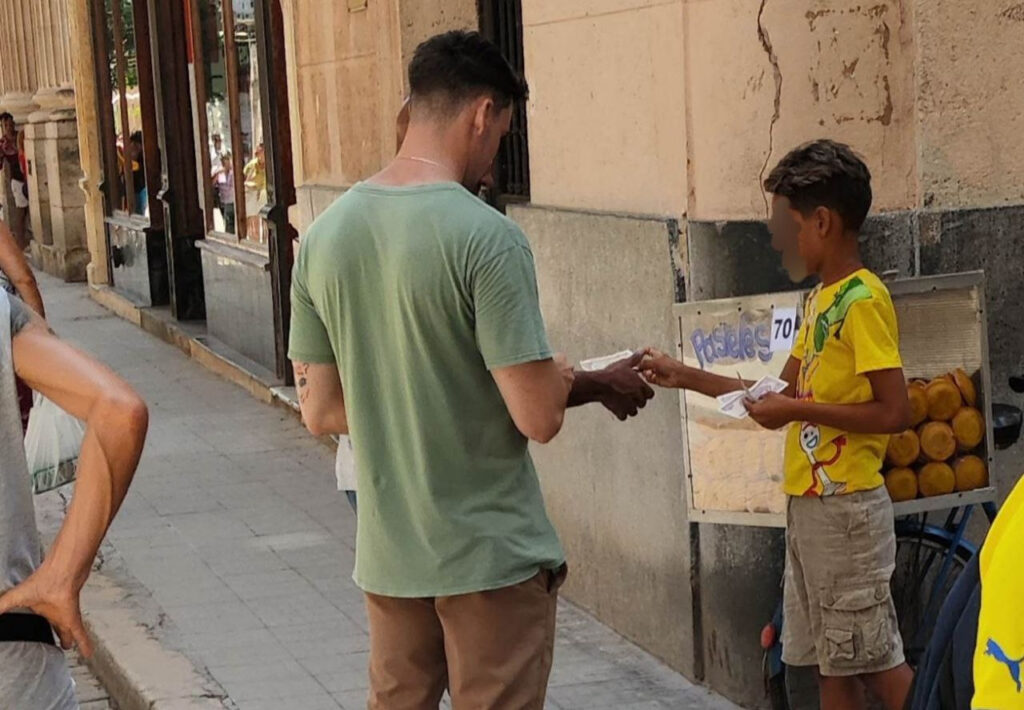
741,337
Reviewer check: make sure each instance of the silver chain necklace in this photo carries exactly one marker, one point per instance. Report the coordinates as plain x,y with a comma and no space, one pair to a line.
426,161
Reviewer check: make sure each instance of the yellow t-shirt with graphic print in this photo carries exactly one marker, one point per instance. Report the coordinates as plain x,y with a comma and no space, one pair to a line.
849,330
999,654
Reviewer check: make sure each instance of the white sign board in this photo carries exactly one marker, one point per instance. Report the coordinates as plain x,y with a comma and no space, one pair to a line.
734,465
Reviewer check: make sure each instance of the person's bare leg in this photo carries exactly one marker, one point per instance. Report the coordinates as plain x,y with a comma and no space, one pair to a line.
891,687
841,693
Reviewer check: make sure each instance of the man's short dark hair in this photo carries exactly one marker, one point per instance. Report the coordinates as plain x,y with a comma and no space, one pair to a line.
824,173
459,66
136,137
6,115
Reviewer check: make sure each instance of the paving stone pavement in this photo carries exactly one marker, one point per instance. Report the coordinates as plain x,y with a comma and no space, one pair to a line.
234,525
90,693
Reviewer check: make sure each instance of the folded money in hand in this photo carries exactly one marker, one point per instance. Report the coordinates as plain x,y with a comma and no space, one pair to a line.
731,403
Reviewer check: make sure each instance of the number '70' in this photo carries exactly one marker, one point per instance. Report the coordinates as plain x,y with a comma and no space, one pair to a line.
783,328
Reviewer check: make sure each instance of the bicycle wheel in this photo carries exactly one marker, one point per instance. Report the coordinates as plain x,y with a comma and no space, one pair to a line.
926,569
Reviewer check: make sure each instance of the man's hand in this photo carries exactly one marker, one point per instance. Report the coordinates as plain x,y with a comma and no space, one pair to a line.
51,595
663,370
625,392
619,387
773,411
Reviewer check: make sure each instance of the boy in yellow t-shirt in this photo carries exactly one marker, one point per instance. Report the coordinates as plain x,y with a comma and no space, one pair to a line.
846,395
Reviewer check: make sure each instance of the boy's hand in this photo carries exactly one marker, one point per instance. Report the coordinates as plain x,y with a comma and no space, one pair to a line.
773,411
662,370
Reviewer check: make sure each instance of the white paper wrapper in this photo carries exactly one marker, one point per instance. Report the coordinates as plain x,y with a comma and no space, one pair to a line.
599,363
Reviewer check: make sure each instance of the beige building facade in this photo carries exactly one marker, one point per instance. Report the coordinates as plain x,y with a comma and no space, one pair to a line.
649,128
37,87
346,80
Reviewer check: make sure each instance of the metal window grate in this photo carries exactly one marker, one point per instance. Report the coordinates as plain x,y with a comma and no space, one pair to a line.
502,22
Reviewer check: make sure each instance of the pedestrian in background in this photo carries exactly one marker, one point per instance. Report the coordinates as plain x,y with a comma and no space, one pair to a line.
224,183
138,162
216,149
255,174
12,155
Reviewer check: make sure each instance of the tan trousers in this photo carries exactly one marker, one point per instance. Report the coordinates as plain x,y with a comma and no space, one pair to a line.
491,650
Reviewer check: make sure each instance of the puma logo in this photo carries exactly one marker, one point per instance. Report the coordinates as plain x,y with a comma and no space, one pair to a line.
993,649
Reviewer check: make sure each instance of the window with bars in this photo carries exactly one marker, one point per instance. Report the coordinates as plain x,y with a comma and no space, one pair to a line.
502,22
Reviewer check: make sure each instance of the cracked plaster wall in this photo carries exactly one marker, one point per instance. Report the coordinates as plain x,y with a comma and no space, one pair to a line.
796,70
671,107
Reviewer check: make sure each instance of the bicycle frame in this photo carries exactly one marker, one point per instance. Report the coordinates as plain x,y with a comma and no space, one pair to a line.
953,534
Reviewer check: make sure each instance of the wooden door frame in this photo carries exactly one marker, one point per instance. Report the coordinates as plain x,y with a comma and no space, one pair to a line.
184,220
104,115
110,171
277,144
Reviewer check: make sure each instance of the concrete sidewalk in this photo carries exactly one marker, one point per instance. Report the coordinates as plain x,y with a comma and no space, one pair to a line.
234,551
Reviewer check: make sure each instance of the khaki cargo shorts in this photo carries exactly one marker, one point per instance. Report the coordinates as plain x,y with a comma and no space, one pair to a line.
839,612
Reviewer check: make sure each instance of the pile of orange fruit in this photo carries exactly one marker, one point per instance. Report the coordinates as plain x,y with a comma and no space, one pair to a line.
938,455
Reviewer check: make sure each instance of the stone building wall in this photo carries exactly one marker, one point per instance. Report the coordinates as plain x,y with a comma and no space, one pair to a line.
37,87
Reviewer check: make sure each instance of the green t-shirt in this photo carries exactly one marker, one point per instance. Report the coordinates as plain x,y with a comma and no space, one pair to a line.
417,293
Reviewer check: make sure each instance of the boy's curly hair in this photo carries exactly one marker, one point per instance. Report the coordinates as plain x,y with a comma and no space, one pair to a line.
824,173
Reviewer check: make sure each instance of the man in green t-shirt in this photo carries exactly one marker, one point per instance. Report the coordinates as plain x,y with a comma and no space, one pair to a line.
423,301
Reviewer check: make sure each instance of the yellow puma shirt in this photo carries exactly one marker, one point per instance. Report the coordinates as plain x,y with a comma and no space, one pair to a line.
998,684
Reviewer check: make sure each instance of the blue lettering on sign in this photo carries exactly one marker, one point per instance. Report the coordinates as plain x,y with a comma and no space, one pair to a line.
746,340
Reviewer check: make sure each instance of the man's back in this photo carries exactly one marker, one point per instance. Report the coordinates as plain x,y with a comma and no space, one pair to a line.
417,293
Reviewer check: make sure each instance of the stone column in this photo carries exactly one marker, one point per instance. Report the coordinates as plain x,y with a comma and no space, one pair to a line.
79,19
57,203
17,85
16,37
55,88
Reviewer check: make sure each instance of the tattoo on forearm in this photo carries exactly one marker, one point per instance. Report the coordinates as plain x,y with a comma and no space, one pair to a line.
302,381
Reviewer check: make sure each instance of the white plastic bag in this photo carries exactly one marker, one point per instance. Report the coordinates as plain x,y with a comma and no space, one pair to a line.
52,443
